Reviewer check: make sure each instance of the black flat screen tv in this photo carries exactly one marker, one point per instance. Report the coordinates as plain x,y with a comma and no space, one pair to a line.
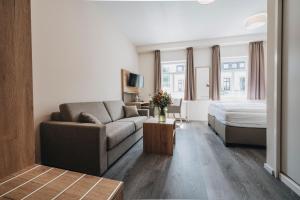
135,80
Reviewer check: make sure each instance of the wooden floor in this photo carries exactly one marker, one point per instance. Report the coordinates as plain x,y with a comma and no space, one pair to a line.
201,168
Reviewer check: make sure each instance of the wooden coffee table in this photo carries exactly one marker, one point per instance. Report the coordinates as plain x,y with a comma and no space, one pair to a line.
159,137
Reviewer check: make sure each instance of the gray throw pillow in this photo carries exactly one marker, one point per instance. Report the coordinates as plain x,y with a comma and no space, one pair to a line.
131,111
88,118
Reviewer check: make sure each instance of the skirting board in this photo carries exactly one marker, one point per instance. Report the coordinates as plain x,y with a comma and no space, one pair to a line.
269,169
290,183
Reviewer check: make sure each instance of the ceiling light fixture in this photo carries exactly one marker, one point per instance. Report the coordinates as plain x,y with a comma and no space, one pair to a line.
205,1
256,21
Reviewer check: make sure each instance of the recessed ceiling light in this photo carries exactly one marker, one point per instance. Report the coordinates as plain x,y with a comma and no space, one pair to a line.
205,1
256,21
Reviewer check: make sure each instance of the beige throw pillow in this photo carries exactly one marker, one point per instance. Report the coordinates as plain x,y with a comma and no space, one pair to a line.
131,111
88,118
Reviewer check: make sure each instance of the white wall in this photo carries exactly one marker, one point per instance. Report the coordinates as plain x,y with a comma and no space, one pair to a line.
146,67
235,50
77,55
196,110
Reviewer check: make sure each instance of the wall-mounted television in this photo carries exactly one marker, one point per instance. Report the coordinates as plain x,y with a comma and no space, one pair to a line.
135,80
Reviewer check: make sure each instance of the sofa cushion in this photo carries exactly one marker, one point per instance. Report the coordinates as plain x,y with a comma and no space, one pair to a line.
116,132
138,121
131,111
71,111
56,116
115,109
85,117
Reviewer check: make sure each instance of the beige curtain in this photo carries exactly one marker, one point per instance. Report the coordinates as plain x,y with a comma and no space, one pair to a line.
157,71
215,74
256,71
189,93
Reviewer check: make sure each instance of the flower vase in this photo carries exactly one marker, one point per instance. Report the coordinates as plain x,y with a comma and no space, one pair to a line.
162,114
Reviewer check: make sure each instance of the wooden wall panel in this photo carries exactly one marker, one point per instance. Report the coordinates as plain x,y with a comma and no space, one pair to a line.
16,104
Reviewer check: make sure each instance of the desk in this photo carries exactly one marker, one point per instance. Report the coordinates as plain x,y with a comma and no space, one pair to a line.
139,105
47,183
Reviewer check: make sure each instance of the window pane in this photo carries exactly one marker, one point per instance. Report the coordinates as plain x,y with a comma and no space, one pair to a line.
225,66
180,68
242,65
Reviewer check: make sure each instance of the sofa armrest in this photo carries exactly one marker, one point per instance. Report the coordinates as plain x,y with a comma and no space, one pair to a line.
143,112
74,146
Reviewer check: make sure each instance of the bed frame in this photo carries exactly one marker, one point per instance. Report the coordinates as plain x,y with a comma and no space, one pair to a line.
232,135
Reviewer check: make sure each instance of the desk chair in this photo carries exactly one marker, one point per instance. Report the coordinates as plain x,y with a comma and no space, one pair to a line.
175,108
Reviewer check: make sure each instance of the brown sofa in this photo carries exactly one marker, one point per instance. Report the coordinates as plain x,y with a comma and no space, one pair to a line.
89,148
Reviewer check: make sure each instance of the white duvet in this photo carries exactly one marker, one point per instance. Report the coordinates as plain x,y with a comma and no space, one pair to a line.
240,113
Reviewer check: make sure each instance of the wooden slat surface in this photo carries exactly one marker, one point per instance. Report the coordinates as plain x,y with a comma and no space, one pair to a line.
41,182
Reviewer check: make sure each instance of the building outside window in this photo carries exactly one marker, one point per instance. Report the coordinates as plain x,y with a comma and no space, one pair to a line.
173,78
234,78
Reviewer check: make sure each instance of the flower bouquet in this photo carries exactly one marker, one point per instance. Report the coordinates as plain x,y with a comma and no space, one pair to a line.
162,100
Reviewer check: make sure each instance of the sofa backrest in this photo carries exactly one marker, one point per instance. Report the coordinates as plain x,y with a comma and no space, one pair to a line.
115,109
71,111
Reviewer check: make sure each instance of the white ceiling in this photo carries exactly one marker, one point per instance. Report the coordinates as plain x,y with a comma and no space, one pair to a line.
146,22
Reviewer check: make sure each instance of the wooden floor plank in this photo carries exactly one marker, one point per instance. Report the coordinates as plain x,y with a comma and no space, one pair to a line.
200,168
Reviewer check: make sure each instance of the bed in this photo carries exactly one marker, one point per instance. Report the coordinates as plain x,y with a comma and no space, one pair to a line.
239,122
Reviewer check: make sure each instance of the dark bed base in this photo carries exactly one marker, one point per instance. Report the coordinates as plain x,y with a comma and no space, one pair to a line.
232,136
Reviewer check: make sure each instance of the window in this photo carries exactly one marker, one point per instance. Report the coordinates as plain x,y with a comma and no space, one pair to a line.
234,78
173,78
226,84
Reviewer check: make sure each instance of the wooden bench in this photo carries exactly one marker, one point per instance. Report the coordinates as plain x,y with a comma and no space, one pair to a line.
42,182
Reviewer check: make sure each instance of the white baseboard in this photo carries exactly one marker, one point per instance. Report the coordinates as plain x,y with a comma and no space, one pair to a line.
290,183
269,169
